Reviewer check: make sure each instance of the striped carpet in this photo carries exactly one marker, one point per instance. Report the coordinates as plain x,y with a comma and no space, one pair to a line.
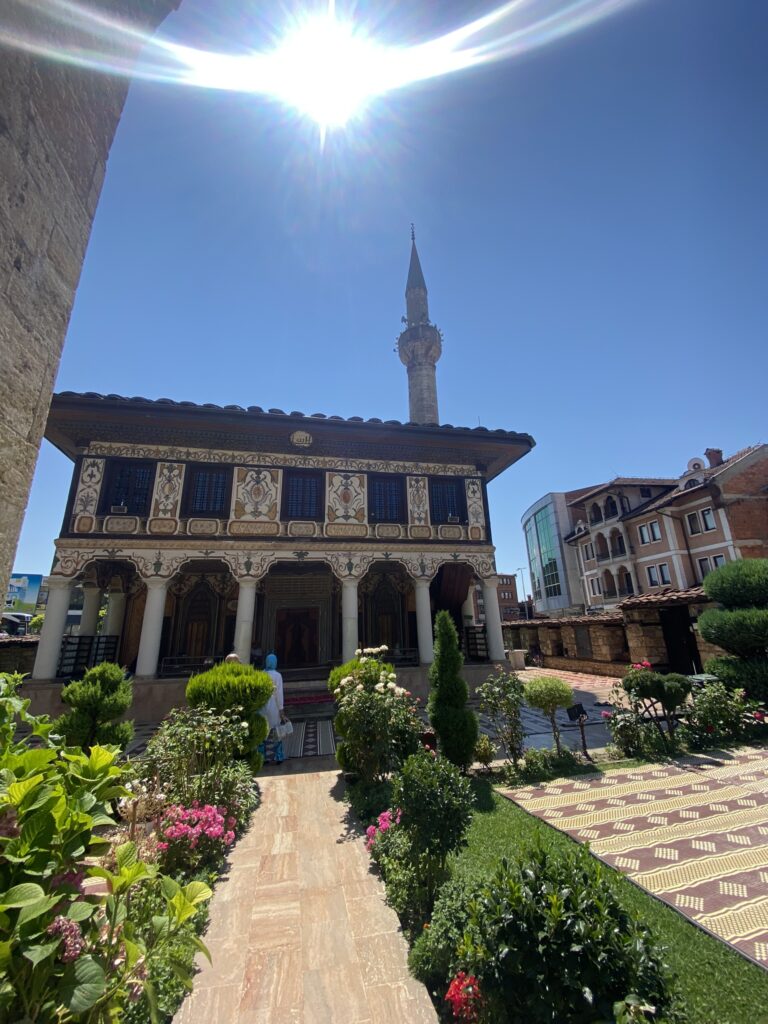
694,833
311,737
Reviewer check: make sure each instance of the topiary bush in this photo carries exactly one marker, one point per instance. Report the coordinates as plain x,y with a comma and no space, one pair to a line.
238,687
103,695
548,693
454,723
742,628
550,943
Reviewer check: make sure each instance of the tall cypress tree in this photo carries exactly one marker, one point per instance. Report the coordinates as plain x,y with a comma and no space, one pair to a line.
454,723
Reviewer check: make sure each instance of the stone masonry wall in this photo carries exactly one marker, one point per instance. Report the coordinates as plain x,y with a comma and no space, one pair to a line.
56,129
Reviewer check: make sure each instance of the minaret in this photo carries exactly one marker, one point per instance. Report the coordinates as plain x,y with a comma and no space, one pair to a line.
420,345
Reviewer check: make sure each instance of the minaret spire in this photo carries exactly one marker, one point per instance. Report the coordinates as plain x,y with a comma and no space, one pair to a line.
419,345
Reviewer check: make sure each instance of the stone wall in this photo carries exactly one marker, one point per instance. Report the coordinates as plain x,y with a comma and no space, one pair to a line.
17,654
56,129
596,668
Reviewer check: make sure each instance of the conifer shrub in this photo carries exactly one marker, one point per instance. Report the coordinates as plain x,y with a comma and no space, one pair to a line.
454,723
97,700
741,628
242,688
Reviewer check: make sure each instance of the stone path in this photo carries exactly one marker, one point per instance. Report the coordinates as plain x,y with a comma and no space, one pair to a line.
693,832
299,930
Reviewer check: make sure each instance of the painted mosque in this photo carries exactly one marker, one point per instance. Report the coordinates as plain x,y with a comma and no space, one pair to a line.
211,529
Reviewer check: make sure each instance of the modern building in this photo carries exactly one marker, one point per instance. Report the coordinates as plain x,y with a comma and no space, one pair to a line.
634,536
509,608
217,528
553,566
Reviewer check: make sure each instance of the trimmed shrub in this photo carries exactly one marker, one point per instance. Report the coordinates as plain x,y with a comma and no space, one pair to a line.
647,688
743,632
454,723
550,943
751,674
485,752
742,584
548,693
433,955
97,700
718,715
240,688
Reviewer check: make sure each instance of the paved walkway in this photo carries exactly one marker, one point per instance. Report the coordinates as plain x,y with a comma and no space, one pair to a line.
299,930
694,833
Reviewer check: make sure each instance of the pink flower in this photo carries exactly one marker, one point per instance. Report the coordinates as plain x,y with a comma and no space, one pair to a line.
760,716
69,932
606,714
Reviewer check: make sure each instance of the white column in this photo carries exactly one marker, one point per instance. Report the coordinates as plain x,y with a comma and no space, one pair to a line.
246,606
349,639
113,620
468,608
424,622
89,618
49,646
151,627
493,619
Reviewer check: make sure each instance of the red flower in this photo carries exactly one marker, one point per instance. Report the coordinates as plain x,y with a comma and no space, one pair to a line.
760,716
464,996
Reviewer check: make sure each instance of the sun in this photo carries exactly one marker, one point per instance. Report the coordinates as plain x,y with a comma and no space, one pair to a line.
327,69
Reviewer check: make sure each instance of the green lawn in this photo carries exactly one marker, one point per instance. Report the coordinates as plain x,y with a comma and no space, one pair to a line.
716,984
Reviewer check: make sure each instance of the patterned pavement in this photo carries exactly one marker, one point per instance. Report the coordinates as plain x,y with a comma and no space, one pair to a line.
693,833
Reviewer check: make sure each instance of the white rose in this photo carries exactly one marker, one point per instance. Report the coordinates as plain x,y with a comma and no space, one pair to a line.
358,652
359,687
379,687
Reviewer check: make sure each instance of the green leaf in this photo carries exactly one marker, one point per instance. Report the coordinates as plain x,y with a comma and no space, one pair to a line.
37,830
79,911
37,909
5,954
169,886
182,972
82,985
199,944
149,992
101,758
197,892
36,954
18,790
23,895
125,856
181,908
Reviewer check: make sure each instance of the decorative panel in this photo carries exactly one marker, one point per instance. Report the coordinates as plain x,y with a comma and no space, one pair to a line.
346,530
418,501
89,487
256,495
121,524
166,498
420,532
165,527
301,529
388,531
84,524
449,532
203,527
346,498
250,529
475,509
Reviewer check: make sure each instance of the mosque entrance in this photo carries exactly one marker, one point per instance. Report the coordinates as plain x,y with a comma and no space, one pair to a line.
297,637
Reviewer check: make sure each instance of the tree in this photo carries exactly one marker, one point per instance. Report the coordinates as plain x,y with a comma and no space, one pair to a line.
97,700
454,723
741,627
36,623
548,693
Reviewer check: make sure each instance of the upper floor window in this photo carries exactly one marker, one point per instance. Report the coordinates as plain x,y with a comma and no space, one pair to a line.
611,508
589,552
704,568
447,500
645,492
595,513
128,487
303,494
717,561
649,532
594,586
386,499
694,526
707,519
206,491
625,506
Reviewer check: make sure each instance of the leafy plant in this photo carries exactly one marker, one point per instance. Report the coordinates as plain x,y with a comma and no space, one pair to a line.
649,691
501,699
539,765
433,955
485,751
190,838
97,700
36,623
550,943
377,719
369,799
243,689
718,715
454,723
548,693
741,584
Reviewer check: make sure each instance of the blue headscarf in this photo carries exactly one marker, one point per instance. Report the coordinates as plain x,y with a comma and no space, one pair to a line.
271,662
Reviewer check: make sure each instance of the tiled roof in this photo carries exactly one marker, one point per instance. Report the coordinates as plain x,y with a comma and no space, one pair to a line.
705,475
626,481
256,410
692,595
604,618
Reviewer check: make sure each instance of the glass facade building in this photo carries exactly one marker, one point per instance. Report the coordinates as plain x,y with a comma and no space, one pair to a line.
554,579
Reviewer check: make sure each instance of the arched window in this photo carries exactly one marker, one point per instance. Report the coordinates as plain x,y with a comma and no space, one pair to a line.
595,513
611,508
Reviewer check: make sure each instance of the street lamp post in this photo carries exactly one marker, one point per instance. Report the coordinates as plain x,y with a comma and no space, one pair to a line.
521,570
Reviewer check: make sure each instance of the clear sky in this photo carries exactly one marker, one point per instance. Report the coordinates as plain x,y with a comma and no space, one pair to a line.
591,218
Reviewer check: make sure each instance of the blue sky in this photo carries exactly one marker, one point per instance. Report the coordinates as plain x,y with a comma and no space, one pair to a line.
591,219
